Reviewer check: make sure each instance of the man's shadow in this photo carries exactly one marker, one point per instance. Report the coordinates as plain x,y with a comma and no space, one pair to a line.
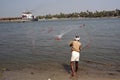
66,67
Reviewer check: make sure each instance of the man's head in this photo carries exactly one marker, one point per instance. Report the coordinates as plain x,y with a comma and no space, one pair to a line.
77,38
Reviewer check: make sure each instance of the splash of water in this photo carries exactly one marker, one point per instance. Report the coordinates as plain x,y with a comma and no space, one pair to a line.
60,36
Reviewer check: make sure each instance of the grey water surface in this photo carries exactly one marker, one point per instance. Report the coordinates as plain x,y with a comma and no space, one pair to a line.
34,42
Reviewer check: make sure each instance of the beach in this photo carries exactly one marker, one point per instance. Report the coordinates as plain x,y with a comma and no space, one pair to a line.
56,71
29,51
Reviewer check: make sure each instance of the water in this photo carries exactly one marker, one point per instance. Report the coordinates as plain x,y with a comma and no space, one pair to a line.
32,43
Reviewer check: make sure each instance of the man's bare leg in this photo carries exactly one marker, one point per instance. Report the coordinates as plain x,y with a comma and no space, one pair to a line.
76,66
72,68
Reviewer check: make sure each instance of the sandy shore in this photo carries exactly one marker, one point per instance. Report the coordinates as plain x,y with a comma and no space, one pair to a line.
58,72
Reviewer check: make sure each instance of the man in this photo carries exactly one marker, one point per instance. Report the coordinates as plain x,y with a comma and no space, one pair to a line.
75,49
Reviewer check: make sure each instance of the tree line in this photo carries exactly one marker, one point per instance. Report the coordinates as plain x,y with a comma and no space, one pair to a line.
86,14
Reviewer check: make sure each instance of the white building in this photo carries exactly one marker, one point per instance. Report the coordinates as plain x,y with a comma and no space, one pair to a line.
27,15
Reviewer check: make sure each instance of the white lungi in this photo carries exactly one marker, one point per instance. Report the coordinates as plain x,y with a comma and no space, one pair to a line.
75,56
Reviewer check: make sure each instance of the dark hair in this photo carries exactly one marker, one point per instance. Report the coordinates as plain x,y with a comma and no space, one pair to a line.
77,36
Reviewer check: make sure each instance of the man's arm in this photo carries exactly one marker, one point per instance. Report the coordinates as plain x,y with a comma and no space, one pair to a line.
80,47
70,44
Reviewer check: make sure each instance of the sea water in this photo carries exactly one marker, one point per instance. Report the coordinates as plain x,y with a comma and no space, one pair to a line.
33,43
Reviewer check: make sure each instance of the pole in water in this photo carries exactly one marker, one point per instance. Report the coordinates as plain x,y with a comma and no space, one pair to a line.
81,26
50,30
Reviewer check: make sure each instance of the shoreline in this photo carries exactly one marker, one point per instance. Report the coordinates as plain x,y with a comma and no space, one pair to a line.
22,20
57,74
22,60
58,71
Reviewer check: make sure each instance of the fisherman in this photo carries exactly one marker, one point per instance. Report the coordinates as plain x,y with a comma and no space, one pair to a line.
75,49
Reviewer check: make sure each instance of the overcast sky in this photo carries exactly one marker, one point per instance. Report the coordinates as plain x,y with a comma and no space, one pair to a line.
12,8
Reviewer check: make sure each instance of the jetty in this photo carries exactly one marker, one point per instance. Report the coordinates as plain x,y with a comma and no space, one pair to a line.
26,16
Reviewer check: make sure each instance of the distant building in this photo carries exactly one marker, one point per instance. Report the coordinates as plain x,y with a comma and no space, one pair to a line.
27,15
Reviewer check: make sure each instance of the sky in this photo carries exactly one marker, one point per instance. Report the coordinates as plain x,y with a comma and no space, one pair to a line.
14,8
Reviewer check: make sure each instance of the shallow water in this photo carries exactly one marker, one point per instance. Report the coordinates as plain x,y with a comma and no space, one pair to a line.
31,43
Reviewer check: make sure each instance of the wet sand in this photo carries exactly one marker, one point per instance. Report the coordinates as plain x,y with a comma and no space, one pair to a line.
56,71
